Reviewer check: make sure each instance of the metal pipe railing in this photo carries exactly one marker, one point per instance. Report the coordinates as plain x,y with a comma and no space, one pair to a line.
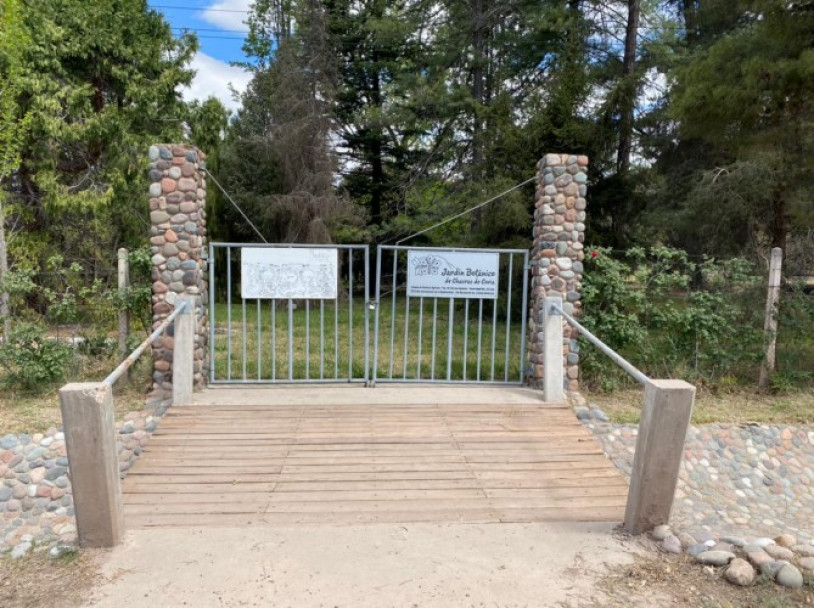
128,362
614,356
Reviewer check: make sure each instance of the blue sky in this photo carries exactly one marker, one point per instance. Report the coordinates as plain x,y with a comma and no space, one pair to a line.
220,27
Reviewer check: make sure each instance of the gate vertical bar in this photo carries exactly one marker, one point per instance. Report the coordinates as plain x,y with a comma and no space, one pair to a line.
420,327
290,339
259,342
321,339
375,374
406,331
449,338
211,313
494,336
274,339
367,314
466,335
508,319
393,313
434,319
229,312
336,334
243,308
480,335
525,312
307,339
350,315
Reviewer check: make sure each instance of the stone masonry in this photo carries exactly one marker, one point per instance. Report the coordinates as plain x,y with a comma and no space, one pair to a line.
557,254
179,251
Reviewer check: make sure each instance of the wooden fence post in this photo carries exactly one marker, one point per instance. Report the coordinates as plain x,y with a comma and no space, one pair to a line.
770,324
183,351
553,376
659,451
124,314
90,437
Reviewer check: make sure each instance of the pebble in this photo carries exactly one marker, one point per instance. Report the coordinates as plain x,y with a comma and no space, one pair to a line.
807,563
770,569
715,558
20,550
759,557
661,532
740,573
696,550
789,576
786,540
779,553
671,544
806,550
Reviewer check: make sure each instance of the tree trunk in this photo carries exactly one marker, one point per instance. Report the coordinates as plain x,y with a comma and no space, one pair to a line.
4,299
477,90
627,100
690,11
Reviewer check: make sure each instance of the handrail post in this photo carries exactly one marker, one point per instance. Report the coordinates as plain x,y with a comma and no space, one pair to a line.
183,352
90,438
553,379
659,451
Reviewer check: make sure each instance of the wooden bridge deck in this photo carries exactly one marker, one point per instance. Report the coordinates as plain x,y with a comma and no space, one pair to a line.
370,456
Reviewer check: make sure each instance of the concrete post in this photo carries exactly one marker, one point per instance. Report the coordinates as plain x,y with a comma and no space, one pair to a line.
659,450
183,352
124,315
90,438
553,381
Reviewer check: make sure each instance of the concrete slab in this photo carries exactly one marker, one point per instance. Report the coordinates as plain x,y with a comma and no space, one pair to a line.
443,566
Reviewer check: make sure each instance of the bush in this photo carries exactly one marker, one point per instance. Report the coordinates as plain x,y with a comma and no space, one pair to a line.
32,361
673,317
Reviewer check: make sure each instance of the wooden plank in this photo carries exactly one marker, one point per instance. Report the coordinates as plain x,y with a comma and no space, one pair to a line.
359,506
284,484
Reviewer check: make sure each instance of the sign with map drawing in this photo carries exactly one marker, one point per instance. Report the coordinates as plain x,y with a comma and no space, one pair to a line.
292,272
452,274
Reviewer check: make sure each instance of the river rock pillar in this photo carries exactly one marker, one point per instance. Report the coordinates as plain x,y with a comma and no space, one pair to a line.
179,250
556,257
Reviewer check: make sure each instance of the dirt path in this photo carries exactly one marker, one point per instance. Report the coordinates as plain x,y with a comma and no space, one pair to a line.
451,565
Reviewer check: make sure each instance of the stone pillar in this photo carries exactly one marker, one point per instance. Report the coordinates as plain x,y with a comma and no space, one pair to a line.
556,257
179,252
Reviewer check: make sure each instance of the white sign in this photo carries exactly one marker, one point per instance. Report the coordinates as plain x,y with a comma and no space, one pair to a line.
452,274
295,272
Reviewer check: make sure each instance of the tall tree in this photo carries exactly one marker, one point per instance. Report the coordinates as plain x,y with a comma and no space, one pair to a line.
100,80
752,93
13,39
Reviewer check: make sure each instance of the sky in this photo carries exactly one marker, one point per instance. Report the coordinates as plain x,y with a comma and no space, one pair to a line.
220,27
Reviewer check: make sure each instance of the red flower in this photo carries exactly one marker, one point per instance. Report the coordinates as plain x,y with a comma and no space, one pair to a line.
594,254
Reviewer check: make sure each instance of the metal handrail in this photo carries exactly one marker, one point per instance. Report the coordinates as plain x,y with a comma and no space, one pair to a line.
614,356
128,362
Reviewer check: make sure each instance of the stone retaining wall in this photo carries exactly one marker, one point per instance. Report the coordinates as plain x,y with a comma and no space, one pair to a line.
557,254
179,251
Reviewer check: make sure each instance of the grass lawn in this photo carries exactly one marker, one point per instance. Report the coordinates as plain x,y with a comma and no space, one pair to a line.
328,342
36,413
736,407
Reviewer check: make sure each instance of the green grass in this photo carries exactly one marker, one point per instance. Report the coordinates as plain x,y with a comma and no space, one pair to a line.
343,346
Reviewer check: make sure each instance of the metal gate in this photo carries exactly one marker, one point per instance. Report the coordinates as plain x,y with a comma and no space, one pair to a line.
450,329
288,339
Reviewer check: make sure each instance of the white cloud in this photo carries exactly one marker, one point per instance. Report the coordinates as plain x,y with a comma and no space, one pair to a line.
212,79
228,14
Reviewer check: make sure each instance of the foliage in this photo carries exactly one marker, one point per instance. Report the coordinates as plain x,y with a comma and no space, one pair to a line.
675,317
30,360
